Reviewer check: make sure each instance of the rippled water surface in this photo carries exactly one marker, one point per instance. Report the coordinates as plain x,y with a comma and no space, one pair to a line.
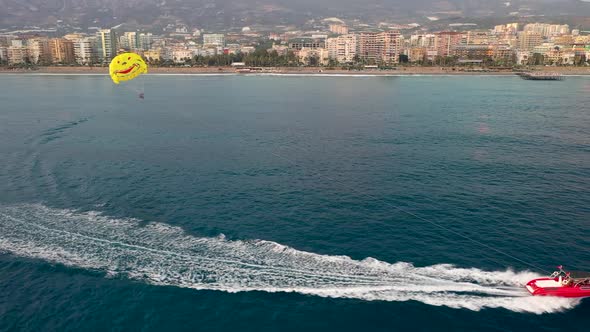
289,203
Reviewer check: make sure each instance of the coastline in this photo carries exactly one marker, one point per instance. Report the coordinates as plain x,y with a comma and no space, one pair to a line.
401,71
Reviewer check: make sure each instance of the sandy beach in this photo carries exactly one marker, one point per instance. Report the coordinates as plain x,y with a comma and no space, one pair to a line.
304,71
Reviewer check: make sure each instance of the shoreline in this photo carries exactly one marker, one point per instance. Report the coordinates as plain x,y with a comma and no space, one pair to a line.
286,71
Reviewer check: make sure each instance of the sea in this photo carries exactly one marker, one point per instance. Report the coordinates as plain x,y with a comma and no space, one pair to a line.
291,203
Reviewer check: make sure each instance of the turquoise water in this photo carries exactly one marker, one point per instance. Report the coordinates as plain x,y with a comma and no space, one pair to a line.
289,203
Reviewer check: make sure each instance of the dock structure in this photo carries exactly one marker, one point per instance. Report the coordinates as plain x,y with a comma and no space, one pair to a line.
541,76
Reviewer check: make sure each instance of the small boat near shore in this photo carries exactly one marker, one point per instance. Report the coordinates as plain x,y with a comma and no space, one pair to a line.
561,284
541,76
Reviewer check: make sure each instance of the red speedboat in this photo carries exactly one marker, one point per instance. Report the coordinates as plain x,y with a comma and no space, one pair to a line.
562,284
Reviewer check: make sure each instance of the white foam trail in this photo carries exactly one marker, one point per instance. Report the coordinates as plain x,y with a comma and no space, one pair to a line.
160,254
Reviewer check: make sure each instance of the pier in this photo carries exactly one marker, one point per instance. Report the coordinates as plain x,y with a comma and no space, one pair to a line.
541,76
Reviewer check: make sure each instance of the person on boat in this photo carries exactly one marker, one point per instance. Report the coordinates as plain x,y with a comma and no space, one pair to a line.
567,280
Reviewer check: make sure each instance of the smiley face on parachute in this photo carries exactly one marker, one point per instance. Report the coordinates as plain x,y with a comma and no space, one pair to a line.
126,66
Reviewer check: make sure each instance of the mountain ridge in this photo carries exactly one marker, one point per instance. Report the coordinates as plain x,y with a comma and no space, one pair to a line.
228,13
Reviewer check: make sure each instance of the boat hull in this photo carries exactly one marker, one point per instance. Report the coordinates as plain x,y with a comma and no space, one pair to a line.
552,287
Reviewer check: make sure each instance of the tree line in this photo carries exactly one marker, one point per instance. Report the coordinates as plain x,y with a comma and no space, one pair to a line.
258,58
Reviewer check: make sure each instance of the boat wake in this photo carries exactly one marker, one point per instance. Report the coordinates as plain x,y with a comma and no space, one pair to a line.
161,254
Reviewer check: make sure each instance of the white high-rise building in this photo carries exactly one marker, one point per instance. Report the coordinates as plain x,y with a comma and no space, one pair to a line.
547,30
6,40
129,41
84,50
342,48
214,39
145,41
339,29
558,30
39,51
510,28
423,40
106,44
17,54
380,47
3,54
527,40
17,43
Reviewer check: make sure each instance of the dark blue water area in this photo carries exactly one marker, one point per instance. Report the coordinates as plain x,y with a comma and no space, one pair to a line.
490,173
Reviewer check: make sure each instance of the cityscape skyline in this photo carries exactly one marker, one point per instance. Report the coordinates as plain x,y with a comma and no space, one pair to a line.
336,43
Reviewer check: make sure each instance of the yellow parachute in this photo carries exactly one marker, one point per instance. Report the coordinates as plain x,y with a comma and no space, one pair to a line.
126,66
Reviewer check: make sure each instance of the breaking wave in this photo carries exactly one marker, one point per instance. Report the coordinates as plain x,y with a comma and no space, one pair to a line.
161,254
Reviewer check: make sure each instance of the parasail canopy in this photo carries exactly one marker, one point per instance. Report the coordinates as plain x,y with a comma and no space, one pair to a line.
126,66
